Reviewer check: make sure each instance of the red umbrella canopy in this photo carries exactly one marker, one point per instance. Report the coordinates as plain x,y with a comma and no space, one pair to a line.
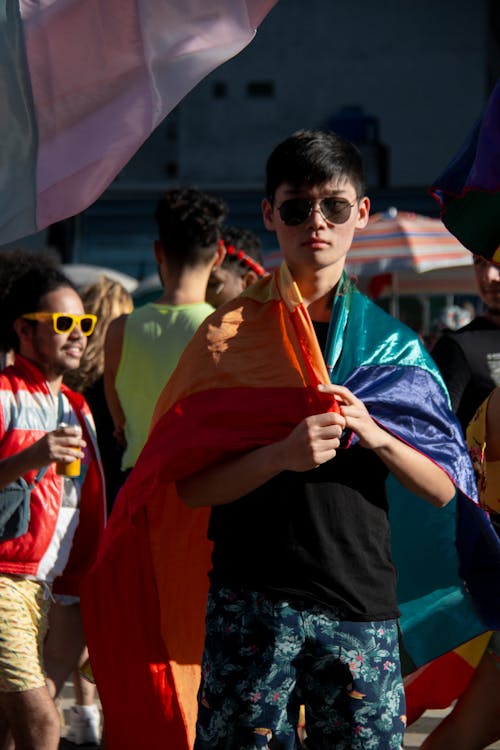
396,241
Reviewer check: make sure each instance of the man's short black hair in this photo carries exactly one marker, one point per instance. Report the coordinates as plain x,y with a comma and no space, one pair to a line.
314,157
25,277
189,225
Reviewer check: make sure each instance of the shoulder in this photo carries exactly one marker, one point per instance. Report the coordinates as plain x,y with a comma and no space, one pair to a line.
447,345
117,326
478,325
381,323
77,400
7,397
115,332
198,312
479,334
12,380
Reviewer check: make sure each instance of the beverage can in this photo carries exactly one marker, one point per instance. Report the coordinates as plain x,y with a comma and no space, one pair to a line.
74,467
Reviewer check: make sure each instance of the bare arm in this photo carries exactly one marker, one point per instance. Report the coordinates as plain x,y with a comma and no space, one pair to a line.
64,444
112,355
314,441
493,427
415,471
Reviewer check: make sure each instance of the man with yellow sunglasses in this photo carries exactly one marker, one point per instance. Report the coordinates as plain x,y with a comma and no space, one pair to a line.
44,323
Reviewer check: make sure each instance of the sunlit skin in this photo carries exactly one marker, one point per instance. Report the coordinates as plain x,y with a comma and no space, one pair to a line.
488,283
54,354
223,285
315,251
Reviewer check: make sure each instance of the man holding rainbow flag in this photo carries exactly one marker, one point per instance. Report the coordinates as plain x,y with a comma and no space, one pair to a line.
277,433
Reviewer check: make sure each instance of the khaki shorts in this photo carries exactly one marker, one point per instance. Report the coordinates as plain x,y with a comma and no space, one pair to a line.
24,610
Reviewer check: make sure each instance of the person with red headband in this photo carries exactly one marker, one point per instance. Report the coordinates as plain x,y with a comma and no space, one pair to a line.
242,266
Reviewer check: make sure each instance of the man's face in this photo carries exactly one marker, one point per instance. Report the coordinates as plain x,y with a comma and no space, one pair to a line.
55,353
317,242
223,285
488,282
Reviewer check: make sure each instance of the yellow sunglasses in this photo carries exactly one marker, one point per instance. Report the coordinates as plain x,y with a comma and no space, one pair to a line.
65,322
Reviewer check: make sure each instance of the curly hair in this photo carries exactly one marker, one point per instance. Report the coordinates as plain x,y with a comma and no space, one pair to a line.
25,277
189,226
108,300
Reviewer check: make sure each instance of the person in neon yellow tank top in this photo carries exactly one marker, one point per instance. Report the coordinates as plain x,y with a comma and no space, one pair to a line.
143,348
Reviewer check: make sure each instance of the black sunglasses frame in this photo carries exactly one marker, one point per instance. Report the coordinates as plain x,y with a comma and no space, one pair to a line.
295,211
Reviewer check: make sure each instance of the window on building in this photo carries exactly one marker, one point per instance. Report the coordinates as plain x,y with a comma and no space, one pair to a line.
219,90
260,89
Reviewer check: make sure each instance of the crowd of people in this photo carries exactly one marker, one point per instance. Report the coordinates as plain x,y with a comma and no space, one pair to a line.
222,552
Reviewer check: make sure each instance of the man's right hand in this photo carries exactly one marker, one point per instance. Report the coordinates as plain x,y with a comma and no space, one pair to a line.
314,441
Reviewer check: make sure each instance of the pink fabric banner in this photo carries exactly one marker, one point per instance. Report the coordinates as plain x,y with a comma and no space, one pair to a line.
104,73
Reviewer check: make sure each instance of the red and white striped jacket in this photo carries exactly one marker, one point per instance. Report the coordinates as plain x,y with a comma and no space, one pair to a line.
27,412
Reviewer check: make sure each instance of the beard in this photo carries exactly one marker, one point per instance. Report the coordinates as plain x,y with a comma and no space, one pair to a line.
493,310
53,362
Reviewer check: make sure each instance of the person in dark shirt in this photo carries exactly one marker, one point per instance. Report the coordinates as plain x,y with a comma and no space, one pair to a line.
302,605
469,359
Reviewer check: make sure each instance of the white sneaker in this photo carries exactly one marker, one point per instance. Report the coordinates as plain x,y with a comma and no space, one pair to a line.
83,725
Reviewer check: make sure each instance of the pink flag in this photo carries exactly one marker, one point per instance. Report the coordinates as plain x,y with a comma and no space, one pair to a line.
86,83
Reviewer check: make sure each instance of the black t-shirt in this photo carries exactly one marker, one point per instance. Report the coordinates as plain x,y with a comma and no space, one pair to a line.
469,361
319,536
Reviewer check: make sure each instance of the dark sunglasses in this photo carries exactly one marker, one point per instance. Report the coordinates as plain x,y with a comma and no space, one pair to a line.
65,322
296,210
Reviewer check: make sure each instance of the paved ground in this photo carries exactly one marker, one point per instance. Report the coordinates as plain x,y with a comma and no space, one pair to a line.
413,739
421,728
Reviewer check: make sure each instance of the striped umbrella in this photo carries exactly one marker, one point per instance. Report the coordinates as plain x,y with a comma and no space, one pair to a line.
396,241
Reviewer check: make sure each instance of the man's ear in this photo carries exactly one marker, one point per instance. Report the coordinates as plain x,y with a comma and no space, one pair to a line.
24,330
159,252
220,254
249,278
268,214
363,213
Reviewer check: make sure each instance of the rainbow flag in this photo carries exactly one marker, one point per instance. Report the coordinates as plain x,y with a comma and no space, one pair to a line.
469,188
85,82
438,683
144,602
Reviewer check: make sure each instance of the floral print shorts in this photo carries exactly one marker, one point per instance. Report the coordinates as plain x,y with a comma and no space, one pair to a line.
264,659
